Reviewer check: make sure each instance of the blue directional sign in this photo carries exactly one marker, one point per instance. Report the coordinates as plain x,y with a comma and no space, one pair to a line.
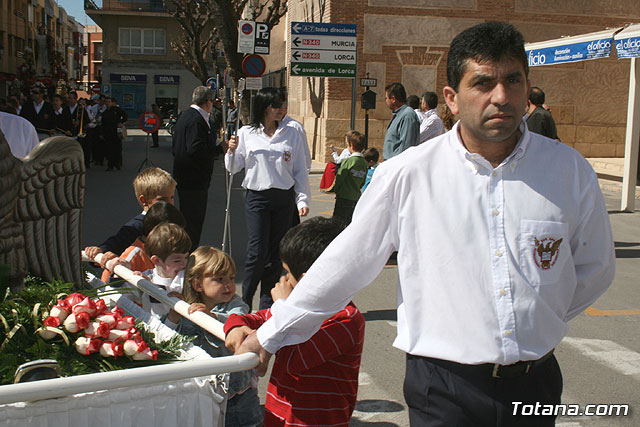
323,49
212,83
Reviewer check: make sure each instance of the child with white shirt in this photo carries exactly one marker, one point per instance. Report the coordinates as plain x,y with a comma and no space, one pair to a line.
167,246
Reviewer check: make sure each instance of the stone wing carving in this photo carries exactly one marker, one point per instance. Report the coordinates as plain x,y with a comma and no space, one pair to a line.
44,204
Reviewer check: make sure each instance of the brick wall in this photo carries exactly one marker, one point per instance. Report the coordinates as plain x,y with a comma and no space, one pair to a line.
409,43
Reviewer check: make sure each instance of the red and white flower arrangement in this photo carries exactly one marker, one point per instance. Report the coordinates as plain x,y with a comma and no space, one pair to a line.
108,332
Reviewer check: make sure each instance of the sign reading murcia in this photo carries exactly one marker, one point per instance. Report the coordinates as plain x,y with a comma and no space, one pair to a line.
323,50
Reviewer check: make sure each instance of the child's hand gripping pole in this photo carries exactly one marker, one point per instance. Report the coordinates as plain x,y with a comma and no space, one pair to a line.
200,318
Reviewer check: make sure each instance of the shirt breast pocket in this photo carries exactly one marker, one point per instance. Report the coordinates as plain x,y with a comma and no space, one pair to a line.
544,251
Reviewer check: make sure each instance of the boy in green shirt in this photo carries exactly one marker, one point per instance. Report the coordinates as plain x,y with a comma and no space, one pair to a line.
350,177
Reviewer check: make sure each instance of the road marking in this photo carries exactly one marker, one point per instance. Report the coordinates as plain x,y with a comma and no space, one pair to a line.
364,378
615,356
595,312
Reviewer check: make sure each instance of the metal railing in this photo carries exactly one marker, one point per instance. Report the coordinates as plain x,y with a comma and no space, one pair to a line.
59,387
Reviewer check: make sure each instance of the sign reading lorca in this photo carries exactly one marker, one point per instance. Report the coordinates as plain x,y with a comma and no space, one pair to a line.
323,50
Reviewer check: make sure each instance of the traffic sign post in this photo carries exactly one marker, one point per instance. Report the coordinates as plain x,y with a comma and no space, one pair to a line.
323,50
149,122
253,66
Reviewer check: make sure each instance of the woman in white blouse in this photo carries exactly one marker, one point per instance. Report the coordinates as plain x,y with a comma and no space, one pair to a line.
276,180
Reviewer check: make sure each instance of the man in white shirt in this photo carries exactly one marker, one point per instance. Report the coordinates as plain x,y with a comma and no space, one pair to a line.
502,238
430,122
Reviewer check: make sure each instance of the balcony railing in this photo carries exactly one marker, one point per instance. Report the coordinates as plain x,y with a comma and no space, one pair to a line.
125,5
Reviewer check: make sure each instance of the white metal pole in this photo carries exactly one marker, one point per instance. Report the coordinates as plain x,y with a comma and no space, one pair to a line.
58,387
199,318
226,237
629,179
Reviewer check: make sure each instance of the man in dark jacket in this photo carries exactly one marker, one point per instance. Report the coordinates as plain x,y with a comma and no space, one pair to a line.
111,119
39,112
61,116
540,120
194,148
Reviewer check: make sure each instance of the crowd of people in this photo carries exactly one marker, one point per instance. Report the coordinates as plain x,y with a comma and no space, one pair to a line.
494,257
97,124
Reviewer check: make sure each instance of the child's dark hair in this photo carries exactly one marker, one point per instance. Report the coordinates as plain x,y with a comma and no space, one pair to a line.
356,139
161,212
371,154
304,243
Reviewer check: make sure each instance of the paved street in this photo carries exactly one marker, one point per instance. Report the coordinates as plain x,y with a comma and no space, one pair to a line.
600,357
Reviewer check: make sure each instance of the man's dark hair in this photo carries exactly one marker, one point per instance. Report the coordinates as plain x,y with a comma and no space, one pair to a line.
161,212
413,101
431,99
268,96
490,41
304,243
103,97
73,94
396,90
57,95
370,154
536,96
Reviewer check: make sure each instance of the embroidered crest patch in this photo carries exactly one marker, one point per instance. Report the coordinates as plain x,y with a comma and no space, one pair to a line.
286,156
546,251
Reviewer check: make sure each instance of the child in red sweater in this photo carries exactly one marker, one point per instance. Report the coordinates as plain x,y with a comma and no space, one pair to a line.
314,383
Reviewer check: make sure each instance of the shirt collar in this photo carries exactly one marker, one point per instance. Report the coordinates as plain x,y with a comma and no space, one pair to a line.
202,112
397,110
475,160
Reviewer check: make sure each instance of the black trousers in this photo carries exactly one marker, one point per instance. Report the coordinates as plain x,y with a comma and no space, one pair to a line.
85,143
443,393
113,147
344,209
268,214
193,205
97,145
155,138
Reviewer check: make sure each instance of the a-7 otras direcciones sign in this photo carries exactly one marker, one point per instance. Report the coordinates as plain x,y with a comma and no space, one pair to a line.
323,70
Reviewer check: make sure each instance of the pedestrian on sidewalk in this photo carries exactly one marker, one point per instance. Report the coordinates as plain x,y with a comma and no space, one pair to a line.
502,238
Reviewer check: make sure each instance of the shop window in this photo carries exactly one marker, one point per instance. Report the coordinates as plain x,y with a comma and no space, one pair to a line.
146,41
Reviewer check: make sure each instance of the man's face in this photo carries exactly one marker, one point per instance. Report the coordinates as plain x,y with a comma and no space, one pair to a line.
57,103
71,100
391,102
490,101
36,96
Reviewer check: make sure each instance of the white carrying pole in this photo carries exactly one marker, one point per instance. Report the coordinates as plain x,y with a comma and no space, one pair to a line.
59,387
629,179
200,318
227,225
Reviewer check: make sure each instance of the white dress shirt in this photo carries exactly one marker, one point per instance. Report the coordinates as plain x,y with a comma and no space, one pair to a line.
288,121
19,133
38,107
345,154
272,162
473,286
430,125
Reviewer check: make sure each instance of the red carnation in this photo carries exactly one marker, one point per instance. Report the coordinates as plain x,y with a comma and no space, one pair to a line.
52,321
83,319
101,307
73,299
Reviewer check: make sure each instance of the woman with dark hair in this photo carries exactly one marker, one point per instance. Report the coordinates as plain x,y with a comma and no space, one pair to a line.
276,180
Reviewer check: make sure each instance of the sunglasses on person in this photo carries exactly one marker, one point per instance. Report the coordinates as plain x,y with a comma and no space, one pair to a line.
277,106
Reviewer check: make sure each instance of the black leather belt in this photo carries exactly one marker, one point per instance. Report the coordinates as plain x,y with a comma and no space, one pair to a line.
518,369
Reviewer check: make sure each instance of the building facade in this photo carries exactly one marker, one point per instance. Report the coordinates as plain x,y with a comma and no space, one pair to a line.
408,42
139,67
38,41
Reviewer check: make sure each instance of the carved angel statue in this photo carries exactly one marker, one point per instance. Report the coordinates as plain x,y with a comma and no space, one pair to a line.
41,200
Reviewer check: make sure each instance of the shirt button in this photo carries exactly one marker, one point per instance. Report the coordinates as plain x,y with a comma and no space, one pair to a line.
498,252
495,212
503,291
494,174
475,167
508,332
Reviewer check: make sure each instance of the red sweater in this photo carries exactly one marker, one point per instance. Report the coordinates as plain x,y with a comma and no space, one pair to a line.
314,383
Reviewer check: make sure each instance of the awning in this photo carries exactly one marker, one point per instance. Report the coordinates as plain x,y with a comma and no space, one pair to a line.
571,49
628,42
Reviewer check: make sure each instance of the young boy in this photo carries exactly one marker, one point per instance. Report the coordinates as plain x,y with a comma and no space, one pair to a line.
135,257
371,156
315,382
167,245
150,186
350,177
